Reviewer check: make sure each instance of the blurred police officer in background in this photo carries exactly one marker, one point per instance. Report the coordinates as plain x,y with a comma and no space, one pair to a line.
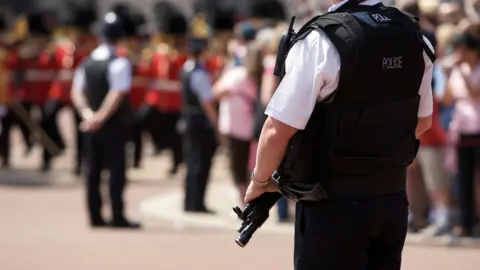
358,90
199,119
100,93
131,48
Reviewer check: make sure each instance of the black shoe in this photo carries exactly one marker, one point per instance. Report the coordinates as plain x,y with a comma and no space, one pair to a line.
173,171
28,150
46,168
77,171
98,224
125,224
136,165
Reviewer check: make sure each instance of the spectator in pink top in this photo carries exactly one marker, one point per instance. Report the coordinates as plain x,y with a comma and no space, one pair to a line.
463,87
237,92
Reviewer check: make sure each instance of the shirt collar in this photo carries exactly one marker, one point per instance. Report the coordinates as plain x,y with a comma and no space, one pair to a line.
366,3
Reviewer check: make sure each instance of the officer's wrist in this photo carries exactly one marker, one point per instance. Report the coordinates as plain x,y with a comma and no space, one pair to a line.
258,182
86,113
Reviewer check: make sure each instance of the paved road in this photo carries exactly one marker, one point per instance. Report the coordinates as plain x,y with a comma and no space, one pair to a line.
43,226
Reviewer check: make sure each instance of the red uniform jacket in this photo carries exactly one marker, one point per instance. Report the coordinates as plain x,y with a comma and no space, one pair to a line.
165,90
38,75
140,82
140,78
8,62
435,136
65,61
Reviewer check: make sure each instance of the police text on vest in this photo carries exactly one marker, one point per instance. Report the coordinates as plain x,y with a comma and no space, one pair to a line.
392,62
380,18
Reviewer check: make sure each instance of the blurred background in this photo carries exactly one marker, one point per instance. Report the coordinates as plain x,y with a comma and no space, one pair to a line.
43,221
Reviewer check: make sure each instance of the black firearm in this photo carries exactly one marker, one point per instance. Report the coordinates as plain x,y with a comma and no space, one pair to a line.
257,211
254,215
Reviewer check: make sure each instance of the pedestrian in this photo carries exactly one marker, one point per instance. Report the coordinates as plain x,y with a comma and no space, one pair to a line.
100,93
236,91
357,94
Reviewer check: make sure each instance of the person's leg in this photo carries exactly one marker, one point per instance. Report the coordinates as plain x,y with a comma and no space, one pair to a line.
7,122
333,234
239,152
49,123
24,130
193,159
176,144
114,143
431,161
137,144
466,170
418,198
208,147
79,154
385,250
95,163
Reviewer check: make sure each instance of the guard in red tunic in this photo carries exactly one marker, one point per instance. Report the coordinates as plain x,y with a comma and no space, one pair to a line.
35,64
70,51
9,49
7,65
164,95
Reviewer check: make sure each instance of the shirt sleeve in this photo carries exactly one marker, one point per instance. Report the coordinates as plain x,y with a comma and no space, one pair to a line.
78,83
120,75
312,73
201,86
425,107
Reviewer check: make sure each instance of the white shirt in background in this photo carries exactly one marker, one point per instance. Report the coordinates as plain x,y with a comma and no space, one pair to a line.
236,110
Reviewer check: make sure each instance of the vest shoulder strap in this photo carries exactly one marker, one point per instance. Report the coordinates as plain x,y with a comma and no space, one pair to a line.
410,22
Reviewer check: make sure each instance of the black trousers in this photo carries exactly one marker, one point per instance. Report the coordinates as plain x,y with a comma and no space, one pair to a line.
468,160
136,139
8,121
351,234
163,129
200,146
50,124
106,150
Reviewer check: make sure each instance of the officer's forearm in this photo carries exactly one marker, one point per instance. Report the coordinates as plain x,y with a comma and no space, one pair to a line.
272,145
110,104
211,113
80,103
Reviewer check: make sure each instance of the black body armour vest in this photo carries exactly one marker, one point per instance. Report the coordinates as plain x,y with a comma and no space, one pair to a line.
97,87
193,115
360,141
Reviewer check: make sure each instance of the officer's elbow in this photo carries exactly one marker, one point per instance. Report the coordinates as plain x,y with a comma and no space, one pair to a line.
277,132
424,124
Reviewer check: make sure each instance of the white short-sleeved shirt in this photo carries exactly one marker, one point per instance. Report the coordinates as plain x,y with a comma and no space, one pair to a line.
312,74
200,82
119,71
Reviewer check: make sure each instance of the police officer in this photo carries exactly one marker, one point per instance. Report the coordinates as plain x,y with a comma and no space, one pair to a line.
200,119
357,91
100,94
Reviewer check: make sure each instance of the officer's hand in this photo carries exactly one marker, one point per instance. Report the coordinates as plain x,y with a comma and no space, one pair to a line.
92,124
254,190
